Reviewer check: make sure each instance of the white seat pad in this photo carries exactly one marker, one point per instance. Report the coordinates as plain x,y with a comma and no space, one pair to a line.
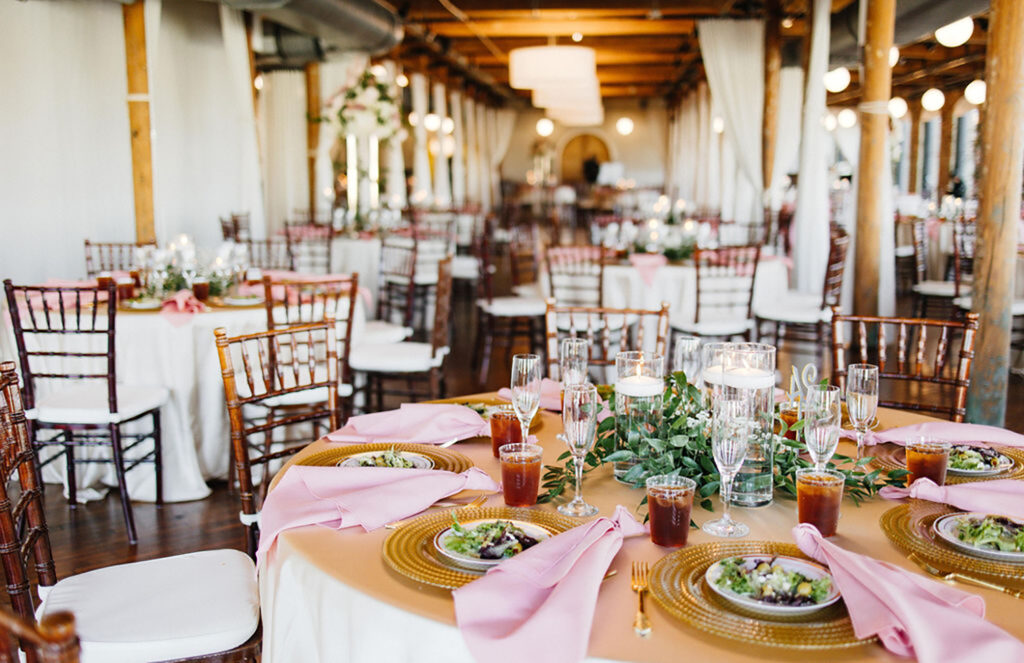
940,288
168,608
791,306
381,331
906,251
1015,310
714,327
304,397
396,358
530,290
514,307
465,267
86,403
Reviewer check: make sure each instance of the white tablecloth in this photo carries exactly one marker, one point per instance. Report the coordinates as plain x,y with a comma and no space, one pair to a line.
362,256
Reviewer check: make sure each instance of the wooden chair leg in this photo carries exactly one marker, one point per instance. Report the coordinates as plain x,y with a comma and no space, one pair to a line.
122,483
158,458
69,461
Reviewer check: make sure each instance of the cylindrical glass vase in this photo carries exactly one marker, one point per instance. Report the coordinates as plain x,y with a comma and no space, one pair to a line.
639,389
748,373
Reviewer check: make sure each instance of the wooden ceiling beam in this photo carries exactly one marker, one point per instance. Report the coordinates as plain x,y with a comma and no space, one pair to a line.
592,27
646,43
607,57
608,75
430,7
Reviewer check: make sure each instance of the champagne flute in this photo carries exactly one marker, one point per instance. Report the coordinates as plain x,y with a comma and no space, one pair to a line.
687,358
525,389
579,420
572,360
861,398
822,415
731,426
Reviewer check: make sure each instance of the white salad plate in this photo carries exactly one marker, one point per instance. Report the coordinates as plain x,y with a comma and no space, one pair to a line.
1005,464
945,527
240,300
144,304
419,461
475,563
808,569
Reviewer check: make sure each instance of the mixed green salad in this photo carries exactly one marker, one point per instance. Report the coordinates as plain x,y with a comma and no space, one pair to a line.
498,539
767,581
389,458
968,457
991,532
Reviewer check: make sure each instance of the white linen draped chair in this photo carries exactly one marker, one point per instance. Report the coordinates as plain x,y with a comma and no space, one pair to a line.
191,607
725,292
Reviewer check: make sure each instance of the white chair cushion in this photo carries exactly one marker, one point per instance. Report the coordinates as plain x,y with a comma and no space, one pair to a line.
380,331
514,307
940,288
1015,310
905,251
405,357
796,307
162,609
306,397
86,403
529,290
465,267
714,327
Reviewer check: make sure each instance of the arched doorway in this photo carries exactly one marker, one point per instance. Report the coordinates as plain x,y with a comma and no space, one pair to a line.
578,150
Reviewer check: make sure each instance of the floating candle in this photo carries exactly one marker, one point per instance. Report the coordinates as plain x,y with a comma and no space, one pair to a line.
639,386
742,377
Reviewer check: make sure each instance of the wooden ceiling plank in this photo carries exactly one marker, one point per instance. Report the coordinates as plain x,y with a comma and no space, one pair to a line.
531,28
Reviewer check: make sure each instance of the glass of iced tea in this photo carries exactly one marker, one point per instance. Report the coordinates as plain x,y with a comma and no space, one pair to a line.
520,473
927,458
505,427
201,288
104,280
818,496
669,501
125,289
789,412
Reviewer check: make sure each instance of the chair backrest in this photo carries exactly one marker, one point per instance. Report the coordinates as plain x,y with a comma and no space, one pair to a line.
64,333
442,306
725,282
261,366
437,226
235,227
609,331
397,275
24,538
833,289
311,246
912,366
964,238
920,232
522,253
576,274
110,256
272,253
483,252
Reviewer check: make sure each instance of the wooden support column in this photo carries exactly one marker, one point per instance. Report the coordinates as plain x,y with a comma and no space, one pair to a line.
312,130
874,157
915,143
772,74
1003,146
138,119
946,139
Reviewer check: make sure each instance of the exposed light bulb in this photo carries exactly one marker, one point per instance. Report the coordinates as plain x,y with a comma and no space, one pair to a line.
258,82
787,22
933,99
402,80
577,37
432,121
447,125
829,121
837,80
545,127
379,71
414,118
898,107
974,93
956,33
847,118
894,56
717,124
624,126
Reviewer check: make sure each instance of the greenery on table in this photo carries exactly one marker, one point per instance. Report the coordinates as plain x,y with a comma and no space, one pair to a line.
684,449
682,252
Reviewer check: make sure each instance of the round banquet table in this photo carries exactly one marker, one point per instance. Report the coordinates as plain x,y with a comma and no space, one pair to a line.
328,595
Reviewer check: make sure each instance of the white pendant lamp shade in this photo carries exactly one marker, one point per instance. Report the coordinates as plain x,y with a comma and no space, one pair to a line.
933,99
974,93
898,107
956,33
562,96
547,66
577,117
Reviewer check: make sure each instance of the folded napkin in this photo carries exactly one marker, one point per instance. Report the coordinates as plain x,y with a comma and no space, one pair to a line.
1004,497
180,307
912,615
369,497
550,395
647,265
245,289
942,430
425,423
539,605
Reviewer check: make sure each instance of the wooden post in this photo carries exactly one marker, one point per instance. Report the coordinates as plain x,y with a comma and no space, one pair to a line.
312,130
772,74
915,143
1003,147
249,27
874,157
138,119
946,139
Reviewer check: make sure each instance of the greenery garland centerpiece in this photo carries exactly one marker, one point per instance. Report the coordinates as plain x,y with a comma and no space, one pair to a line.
684,449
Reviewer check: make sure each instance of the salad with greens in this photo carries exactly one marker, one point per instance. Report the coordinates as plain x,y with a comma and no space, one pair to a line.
991,532
976,459
496,539
389,458
767,581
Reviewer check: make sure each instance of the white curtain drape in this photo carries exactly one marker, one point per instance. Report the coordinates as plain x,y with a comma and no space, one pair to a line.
703,144
442,180
336,74
472,152
728,178
484,156
501,122
283,124
733,55
65,160
422,194
811,221
393,157
686,149
459,156
787,132
713,162
670,161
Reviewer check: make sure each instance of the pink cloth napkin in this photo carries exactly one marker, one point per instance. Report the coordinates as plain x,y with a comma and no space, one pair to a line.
943,430
1004,497
932,225
181,306
370,497
912,615
425,423
246,289
550,395
647,265
539,605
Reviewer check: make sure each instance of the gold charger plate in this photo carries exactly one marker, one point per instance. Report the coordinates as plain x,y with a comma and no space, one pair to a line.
444,459
409,550
909,527
890,456
218,302
488,402
678,585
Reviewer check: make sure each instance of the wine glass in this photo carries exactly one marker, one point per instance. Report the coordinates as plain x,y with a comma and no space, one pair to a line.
731,425
861,398
579,420
572,359
687,358
822,415
525,389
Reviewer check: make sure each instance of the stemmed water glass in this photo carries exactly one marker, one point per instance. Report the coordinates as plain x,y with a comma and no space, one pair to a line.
687,358
572,359
579,420
822,414
525,389
731,425
861,398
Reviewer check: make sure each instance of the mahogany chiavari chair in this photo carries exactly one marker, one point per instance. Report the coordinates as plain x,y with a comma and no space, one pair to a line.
935,298
396,286
523,250
271,365
110,256
71,390
725,292
272,253
52,640
608,330
235,228
311,247
933,359
194,607
576,274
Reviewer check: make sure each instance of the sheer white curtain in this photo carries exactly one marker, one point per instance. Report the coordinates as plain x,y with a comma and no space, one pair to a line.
393,157
484,156
728,178
670,161
501,121
686,149
811,221
472,152
442,181
283,124
65,160
713,163
421,195
459,157
787,132
703,144
733,54
340,72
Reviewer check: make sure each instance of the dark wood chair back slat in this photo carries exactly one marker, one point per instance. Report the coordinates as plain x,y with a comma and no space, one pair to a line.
838,246
311,246
397,279
725,282
235,228
522,252
110,256
920,233
272,253
439,337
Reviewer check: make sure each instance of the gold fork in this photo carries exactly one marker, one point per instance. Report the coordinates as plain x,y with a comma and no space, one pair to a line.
638,581
479,501
953,577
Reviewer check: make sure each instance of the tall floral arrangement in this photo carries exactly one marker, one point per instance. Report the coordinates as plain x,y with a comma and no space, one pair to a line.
368,107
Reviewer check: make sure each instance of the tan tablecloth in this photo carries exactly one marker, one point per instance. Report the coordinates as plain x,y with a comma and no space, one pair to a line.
329,595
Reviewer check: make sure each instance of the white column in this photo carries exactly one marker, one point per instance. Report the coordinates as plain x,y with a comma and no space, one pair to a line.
459,158
395,194
472,152
442,183
421,195
484,156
